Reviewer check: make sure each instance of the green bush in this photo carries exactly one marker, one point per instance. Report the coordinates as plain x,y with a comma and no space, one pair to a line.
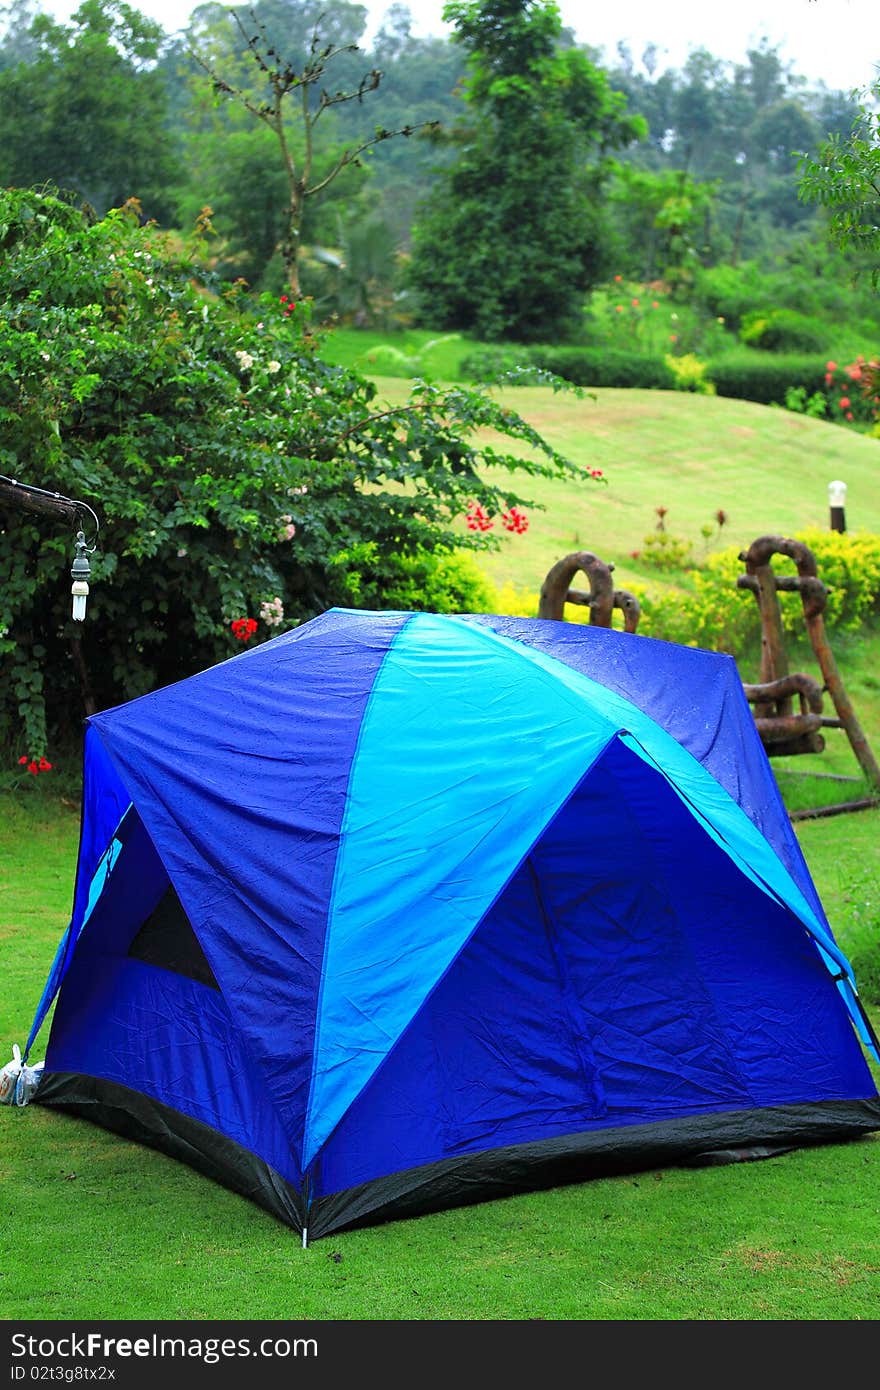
732,292
237,476
441,582
664,551
489,363
756,376
710,613
784,330
605,367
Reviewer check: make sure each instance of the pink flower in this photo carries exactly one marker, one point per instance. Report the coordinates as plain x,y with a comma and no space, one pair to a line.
849,415
831,366
635,304
618,308
655,304
845,402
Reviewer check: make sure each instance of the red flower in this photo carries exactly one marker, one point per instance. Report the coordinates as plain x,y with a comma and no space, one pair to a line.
845,402
618,278
283,299
478,519
849,415
44,765
33,769
22,761
619,308
635,304
244,628
515,520
831,366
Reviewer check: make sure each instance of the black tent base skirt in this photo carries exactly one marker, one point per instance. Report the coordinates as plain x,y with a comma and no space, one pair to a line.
726,1137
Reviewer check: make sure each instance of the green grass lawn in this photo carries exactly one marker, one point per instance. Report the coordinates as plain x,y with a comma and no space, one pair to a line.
96,1227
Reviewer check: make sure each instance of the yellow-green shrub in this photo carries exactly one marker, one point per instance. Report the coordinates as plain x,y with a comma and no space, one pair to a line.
690,374
710,611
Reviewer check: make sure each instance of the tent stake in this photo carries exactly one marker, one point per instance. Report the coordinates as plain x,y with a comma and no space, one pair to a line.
305,1237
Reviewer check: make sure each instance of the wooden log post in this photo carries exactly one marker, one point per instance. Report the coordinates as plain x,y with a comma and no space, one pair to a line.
760,580
602,599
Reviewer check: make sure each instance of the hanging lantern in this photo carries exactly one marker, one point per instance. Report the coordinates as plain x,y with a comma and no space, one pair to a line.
79,573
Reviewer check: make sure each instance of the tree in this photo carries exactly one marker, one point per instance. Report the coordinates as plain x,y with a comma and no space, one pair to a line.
241,482
511,235
87,112
281,80
658,216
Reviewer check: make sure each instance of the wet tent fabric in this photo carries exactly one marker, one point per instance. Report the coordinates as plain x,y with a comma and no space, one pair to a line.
467,904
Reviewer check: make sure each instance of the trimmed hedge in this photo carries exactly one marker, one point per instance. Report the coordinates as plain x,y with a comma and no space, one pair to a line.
755,376
605,367
750,375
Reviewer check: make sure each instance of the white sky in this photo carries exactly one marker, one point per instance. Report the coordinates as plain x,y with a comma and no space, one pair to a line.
835,41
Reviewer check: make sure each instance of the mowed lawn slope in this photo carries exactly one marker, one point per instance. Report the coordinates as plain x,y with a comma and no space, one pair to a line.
767,468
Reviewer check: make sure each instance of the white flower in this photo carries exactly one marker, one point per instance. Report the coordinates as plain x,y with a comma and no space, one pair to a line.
273,367
272,612
245,361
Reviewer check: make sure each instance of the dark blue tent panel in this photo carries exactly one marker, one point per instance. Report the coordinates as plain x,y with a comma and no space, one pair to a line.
399,911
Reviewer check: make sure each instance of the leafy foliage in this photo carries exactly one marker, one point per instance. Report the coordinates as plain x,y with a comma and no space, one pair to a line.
231,467
511,233
845,178
85,108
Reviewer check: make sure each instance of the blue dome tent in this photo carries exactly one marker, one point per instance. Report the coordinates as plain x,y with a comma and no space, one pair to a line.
399,911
